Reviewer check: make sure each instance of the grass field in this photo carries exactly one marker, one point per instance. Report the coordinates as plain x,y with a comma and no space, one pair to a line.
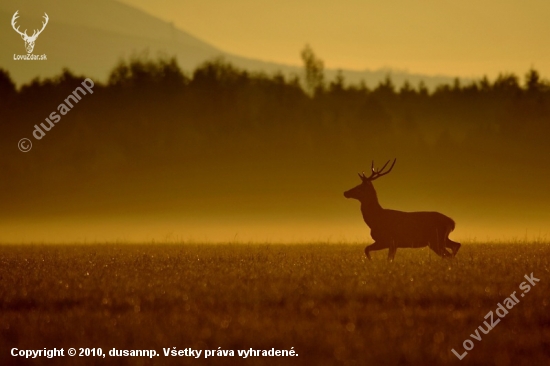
326,301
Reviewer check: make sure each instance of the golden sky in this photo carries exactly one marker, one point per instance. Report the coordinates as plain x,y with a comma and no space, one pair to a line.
466,38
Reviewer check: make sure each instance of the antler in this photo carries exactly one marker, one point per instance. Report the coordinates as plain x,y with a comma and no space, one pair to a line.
46,18
36,32
13,19
377,173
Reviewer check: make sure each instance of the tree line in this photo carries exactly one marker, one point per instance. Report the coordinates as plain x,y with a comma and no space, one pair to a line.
155,125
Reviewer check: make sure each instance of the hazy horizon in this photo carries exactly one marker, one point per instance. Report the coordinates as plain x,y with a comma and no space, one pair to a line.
366,40
467,39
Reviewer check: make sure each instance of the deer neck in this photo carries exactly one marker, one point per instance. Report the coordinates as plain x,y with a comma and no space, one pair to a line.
371,212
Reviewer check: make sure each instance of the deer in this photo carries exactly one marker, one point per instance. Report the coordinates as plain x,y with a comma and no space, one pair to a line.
392,229
29,40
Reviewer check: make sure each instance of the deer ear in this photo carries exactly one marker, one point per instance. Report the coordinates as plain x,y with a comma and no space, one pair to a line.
22,36
362,176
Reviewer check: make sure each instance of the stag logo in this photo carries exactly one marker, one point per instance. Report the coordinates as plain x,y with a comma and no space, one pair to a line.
29,40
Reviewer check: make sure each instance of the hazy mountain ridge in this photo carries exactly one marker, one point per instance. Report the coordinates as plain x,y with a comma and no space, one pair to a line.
90,38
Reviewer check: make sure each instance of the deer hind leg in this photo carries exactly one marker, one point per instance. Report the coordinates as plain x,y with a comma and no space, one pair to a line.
440,251
440,243
375,246
453,245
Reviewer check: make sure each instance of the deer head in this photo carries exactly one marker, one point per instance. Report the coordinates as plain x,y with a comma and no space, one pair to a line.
29,40
365,192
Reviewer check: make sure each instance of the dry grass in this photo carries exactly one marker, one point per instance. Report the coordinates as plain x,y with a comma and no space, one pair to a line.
326,301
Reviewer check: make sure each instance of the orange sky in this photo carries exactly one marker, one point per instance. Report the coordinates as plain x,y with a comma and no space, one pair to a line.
459,38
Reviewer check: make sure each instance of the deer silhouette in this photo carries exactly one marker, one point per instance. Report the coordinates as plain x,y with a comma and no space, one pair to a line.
393,229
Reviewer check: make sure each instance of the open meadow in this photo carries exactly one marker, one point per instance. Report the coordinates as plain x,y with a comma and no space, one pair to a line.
325,300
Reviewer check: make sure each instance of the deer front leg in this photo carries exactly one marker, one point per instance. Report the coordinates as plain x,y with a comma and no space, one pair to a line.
453,245
375,246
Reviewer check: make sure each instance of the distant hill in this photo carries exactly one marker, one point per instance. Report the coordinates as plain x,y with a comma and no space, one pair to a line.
90,37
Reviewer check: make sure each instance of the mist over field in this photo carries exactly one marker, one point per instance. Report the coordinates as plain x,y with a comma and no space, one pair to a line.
224,154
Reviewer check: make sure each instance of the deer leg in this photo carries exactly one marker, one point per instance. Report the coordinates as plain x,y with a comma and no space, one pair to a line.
439,246
453,245
375,246
436,251
442,252
391,253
